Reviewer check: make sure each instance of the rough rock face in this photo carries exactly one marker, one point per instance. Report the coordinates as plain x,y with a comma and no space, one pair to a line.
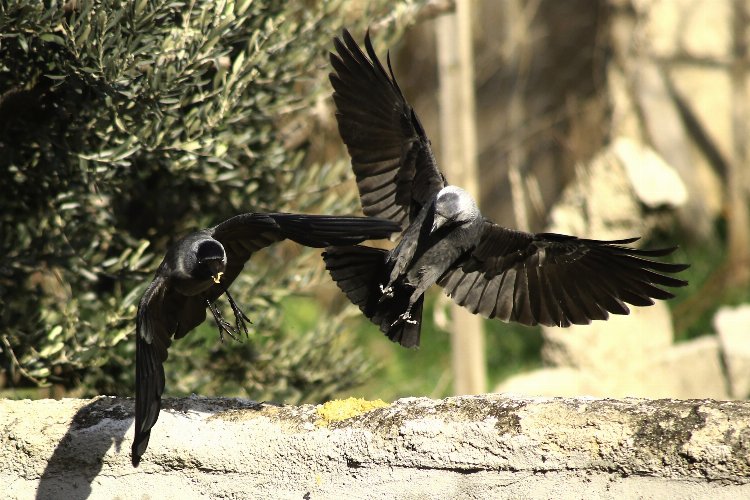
489,446
732,325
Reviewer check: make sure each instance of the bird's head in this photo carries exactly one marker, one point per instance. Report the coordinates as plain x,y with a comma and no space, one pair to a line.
211,260
453,206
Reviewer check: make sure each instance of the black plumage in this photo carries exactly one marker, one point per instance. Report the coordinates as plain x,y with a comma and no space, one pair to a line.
198,269
545,278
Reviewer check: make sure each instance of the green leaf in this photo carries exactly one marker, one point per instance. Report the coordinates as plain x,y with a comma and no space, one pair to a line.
191,146
53,38
83,36
135,258
51,349
56,330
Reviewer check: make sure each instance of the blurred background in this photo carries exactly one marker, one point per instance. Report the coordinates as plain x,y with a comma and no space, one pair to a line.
122,127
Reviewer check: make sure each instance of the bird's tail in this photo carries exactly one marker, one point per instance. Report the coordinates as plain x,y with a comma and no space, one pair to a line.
150,386
360,272
326,230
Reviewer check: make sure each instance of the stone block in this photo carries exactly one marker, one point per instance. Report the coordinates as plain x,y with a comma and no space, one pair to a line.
694,369
552,381
692,28
732,325
620,343
707,92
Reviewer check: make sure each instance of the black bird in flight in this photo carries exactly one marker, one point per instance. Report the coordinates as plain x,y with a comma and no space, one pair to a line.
544,278
198,269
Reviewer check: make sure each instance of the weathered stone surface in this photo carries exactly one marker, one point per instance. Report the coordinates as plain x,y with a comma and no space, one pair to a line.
563,381
600,203
655,183
667,131
707,92
732,325
611,196
692,28
686,370
697,185
691,369
488,446
610,346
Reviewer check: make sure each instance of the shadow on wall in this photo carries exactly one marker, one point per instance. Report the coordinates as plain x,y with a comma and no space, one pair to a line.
79,456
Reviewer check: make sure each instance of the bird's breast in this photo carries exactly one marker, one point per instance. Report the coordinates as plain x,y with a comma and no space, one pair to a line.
191,286
435,259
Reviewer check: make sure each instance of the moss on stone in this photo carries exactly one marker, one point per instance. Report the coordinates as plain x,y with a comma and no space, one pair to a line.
342,409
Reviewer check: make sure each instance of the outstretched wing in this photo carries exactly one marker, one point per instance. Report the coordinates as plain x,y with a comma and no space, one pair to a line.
319,231
395,168
155,324
557,280
244,234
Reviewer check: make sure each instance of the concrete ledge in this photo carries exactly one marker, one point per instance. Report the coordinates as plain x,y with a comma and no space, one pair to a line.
490,446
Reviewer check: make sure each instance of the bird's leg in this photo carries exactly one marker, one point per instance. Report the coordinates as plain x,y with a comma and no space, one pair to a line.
395,274
418,291
239,316
223,324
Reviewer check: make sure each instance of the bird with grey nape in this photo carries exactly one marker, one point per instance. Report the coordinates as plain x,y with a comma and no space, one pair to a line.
198,269
543,278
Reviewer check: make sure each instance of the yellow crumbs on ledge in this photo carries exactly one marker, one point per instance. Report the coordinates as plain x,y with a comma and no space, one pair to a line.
341,409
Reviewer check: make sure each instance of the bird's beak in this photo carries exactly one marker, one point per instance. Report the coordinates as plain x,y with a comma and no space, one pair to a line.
437,222
216,267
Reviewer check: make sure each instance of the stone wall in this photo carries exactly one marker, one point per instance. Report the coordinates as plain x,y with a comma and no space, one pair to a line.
489,446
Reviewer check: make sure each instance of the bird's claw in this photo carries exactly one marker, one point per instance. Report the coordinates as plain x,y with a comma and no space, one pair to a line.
224,325
406,318
241,320
240,317
386,292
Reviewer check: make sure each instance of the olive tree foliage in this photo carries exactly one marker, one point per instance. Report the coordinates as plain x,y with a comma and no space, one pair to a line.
126,124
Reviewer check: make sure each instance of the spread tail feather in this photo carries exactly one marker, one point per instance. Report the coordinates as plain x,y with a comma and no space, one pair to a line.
360,272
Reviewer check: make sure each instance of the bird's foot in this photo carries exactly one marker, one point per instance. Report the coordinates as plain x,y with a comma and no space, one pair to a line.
224,326
386,292
405,318
241,319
